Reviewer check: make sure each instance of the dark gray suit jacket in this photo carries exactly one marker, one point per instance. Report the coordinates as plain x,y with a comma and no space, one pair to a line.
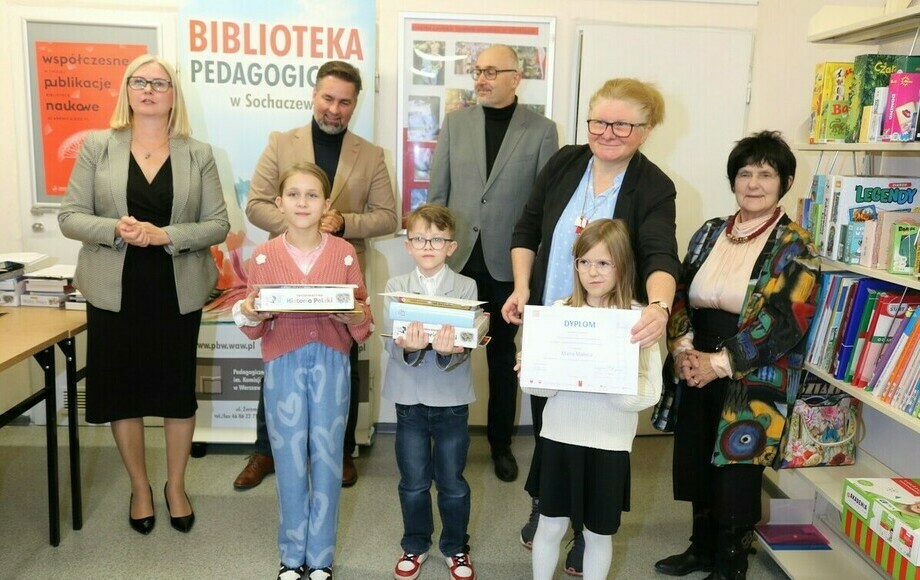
488,207
97,198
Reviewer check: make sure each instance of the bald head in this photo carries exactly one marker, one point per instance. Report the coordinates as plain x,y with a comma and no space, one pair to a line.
499,91
503,54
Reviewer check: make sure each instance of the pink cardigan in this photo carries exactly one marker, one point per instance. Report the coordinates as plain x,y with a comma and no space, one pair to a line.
271,263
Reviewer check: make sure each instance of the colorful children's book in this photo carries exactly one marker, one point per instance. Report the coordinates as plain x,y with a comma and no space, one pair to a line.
903,243
890,307
901,111
841,310
867,294
860,199
888,349
829,104
880,388
871,71
881,255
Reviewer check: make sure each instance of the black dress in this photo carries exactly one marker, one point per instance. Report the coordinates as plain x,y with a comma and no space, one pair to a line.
141,361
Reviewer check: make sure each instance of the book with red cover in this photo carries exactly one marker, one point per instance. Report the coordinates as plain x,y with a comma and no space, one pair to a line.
891,306
793,536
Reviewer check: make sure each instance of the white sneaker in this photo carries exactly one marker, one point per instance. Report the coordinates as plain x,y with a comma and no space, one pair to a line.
461,567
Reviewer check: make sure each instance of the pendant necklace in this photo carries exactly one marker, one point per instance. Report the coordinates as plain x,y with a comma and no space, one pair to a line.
148,154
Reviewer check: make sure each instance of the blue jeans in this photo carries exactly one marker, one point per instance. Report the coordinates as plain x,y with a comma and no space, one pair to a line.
306,402
431,445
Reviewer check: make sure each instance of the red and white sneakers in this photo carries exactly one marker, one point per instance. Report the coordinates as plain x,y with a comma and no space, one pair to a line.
409,566
461,567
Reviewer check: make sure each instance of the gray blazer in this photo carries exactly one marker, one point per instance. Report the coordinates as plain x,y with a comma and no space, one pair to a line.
424,377
96,199
488,207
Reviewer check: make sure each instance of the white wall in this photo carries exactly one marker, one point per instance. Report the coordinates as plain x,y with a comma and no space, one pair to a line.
781,88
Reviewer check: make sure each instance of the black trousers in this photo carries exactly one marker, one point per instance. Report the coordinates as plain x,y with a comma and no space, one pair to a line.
500,354
263,446
731,492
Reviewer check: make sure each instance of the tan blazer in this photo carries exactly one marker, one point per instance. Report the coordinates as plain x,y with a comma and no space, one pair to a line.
362,191
96,199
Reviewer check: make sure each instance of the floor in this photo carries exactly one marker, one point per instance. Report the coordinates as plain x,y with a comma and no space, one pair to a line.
234,534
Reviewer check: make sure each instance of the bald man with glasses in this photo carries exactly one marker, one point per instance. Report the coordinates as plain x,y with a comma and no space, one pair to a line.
484,167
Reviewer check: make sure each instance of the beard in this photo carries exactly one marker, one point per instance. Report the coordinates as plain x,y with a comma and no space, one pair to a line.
331,128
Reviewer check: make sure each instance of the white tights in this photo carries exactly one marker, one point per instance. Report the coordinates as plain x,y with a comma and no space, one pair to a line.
545,554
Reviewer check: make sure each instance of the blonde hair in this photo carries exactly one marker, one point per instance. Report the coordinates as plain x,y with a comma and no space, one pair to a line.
178,116
306,168
645,95
614,235
433,215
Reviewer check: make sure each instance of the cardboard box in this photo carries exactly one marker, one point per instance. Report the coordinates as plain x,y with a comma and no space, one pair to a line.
901,111
466,337
882,516
305,297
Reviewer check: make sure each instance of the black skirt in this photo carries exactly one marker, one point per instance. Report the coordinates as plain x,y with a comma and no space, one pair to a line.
141,361
732,492
589,486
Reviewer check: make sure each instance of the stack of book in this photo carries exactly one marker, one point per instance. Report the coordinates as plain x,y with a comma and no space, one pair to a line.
11,283
48,287
470,323
75,301
865,333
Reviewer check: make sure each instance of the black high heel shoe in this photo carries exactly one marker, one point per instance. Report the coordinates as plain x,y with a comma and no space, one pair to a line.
141,525
182,523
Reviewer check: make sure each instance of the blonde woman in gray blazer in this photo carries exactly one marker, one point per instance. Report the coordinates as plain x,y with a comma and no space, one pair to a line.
146,202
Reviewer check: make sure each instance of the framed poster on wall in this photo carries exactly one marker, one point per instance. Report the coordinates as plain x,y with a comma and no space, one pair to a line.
436,55
74,75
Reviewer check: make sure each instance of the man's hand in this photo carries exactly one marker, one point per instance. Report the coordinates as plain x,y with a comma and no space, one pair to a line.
332,222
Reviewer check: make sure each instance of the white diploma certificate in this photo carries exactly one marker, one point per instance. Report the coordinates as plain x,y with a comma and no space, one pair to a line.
580,349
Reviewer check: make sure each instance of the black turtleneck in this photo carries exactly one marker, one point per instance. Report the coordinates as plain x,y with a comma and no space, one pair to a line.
497,121
326,150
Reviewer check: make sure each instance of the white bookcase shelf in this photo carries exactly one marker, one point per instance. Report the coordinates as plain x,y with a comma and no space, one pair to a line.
913,147
913,423
874,29
901,279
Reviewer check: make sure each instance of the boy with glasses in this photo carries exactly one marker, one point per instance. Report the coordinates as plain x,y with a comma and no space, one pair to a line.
432,387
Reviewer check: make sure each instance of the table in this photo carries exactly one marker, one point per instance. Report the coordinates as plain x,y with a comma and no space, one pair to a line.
34,332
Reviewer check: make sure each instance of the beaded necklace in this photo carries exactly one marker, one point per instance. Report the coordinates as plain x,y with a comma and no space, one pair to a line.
742,239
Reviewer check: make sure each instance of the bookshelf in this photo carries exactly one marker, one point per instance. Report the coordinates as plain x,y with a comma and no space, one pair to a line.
895,432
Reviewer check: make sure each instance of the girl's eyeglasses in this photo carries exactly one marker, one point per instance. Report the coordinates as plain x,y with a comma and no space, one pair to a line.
601,266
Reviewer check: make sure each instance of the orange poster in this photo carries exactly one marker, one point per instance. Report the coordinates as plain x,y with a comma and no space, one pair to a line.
77,85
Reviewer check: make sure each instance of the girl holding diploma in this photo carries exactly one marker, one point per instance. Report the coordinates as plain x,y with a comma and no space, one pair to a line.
307,371
586,437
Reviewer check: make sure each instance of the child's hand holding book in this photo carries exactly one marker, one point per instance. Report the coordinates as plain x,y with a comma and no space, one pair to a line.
443,342
248,309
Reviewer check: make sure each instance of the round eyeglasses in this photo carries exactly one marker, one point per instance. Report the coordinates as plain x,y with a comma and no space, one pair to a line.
437,243
140,84
620,129
601,266
490,73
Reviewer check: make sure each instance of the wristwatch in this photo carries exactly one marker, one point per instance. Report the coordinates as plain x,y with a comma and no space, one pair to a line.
663,305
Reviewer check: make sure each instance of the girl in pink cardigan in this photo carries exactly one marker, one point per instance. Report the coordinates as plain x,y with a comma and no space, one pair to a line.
306,371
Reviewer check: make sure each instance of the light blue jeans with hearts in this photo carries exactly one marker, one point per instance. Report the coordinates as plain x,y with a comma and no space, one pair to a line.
306,406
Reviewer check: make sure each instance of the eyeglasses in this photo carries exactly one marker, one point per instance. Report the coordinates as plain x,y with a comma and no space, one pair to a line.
437,243
601,266
140,84
621,129
490,73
